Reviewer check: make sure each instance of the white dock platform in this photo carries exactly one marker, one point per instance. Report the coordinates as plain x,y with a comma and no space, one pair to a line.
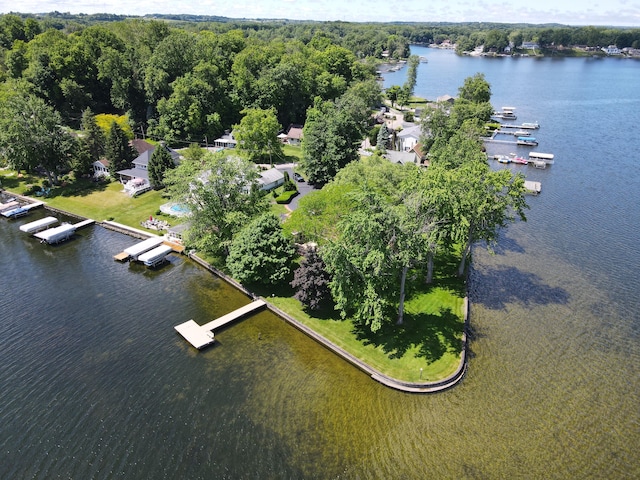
201,336
38,225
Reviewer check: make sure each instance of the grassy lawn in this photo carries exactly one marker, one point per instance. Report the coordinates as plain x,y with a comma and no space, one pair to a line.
429,338
99,201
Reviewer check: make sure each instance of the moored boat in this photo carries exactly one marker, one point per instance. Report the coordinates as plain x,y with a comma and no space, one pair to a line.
527,141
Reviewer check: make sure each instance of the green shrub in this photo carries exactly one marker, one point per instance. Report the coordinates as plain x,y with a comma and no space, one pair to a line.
289,186
286,196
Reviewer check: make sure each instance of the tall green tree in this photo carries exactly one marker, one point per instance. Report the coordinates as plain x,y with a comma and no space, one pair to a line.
159,163
333,133
382,142
222,194
92,136
31,135
365,261
475,89
117,149
260,253
257,135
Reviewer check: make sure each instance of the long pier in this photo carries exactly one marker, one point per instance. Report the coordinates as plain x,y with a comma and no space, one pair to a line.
202,336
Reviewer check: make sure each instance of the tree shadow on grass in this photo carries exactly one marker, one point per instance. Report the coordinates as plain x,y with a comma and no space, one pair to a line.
432,335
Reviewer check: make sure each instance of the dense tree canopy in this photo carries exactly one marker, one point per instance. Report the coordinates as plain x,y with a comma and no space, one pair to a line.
221,193
257,135
260,252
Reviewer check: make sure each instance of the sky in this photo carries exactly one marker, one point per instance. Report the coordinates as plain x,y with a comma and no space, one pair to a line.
567,12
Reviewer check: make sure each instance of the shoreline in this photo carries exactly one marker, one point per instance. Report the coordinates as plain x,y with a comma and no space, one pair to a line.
407,387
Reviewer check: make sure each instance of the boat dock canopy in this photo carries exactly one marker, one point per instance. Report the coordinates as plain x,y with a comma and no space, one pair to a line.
139,248
38,225
527,139
9,205
56,234
15,212
541,156
154,256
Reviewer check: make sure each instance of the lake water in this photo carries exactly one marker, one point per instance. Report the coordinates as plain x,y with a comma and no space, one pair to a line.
95,383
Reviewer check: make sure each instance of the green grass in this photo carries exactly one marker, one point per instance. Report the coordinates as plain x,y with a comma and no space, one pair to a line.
292,153
99,201
429,338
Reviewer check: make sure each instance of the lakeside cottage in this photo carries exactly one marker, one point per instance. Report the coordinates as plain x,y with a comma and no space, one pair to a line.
136,179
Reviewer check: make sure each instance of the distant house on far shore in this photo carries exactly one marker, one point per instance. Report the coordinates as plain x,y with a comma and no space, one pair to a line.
611,50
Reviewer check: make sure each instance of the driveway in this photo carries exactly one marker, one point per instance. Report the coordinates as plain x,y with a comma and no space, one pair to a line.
303,187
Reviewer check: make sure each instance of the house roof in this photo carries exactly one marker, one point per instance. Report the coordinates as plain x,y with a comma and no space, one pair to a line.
180,228
103,161
445,98
295,132
270,176
143,158
141,145
413,131
135,172
400,157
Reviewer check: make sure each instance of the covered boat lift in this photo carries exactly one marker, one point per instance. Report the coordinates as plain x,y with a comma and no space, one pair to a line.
155,256
38,225
57,234
134,251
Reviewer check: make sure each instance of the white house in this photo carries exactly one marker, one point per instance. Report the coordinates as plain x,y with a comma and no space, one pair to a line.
136,179
529,46
101,168
226,141
294,134
408,138
270,179
611,50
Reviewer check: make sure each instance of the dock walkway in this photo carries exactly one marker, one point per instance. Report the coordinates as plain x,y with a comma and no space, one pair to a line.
201,336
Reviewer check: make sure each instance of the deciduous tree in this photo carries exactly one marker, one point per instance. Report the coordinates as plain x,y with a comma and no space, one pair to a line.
222,195
311,281
260,253
257,135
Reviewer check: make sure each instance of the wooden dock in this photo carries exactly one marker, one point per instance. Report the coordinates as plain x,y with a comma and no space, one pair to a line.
202,336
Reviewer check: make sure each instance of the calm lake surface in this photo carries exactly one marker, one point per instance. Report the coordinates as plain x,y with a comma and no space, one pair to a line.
95,383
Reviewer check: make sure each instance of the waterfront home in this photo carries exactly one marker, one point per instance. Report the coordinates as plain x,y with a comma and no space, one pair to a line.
136,179
611,50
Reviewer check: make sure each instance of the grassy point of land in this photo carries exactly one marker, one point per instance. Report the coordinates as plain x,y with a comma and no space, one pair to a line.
427,347
430,338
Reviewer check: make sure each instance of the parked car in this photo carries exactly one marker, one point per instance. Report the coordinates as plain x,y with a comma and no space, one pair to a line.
298,177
